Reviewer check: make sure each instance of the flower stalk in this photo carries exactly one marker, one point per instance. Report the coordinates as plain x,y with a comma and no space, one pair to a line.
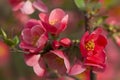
87,27
92,75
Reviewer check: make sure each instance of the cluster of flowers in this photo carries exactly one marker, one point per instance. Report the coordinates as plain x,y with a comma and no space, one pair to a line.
45,53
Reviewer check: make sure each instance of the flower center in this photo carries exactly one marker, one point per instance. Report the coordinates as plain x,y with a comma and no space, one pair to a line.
59,60
53,22
34,40
90,45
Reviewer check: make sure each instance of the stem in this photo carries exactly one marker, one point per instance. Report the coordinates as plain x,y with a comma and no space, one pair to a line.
92,75
87,27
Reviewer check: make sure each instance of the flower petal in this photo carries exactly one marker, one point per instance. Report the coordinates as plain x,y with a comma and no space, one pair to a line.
56,15
27,8
43,17
55,63
31,23
66,42
60,54
97,60
42,41
63,24
26,35
40,68
101,42
94,35
82,44
27,47
31,59
18,6
37,30
77,68
40,6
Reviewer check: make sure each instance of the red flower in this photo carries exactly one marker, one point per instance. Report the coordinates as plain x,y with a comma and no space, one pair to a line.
92,49
56,22
33,37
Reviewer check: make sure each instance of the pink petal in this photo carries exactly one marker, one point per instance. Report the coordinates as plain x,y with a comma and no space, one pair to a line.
55,44
60,54
31,59
27,8
31,23
40,6
43,17
26,35
63,24
55,63
42,41
56,15
27,47
40,68
66,42
37,30
77,68
49,28
18,6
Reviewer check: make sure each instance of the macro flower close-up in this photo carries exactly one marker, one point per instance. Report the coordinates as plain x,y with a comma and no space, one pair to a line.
59,40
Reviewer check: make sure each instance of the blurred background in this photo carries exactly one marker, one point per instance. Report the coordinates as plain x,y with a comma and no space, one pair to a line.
12,65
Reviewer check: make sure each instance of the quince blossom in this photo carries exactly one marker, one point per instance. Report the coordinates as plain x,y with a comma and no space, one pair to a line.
57,60
92,49
33,36
56,22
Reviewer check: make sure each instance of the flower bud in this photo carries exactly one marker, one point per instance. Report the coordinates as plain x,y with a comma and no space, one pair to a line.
66,42
55,44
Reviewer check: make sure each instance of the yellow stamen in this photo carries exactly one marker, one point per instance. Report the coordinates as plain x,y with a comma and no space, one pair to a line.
34,40
90,45
52,22
59,60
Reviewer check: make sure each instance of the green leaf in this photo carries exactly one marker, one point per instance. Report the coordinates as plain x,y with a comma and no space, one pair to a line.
12,42
80,4
3,33
16,40
9,42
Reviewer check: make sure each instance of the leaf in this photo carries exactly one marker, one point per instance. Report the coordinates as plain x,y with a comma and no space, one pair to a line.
80,4
3,33
16,40
12,42
9,42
